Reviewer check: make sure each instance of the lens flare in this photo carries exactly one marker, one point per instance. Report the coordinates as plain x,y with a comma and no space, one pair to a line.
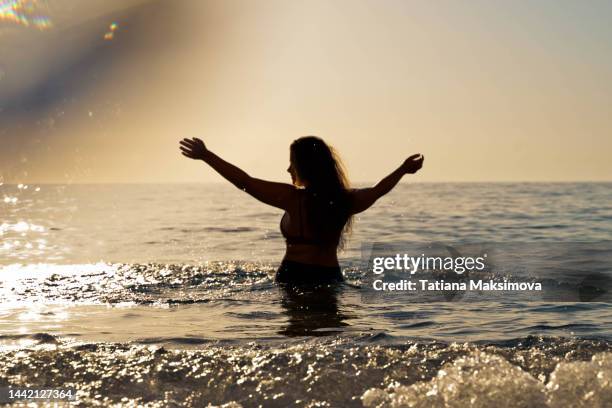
110,34
26,13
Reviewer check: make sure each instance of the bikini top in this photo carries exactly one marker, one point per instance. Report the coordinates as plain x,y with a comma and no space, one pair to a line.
301,238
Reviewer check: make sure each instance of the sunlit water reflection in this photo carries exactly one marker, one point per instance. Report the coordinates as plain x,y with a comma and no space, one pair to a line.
165,293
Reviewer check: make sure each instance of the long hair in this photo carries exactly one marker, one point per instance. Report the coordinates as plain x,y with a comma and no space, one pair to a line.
320,169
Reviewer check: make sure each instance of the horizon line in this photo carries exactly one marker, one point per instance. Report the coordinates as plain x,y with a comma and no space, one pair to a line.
354,183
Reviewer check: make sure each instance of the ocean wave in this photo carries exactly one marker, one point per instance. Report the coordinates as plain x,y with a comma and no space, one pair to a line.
135,283
481,380
337,371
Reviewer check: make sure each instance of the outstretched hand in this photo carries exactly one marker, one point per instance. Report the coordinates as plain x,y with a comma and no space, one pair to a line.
413,163
193,148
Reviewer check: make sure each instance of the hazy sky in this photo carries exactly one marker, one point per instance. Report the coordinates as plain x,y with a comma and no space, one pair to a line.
487,90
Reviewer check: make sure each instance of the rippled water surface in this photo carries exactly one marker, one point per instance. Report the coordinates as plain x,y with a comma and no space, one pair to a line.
164,295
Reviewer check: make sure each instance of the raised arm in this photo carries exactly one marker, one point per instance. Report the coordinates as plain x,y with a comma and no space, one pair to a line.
364,198
274,194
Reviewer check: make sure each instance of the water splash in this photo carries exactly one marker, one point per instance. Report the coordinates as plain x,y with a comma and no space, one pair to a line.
27,13
482,379
335,372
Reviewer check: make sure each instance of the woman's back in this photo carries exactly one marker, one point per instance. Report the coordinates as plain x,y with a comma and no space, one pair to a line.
313,226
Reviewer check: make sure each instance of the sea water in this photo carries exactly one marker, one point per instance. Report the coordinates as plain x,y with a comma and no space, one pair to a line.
163,295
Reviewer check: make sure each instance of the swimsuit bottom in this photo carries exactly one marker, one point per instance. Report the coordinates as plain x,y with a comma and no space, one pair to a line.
298,273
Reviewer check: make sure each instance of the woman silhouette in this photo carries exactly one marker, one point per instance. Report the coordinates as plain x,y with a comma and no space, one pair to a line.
318,205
